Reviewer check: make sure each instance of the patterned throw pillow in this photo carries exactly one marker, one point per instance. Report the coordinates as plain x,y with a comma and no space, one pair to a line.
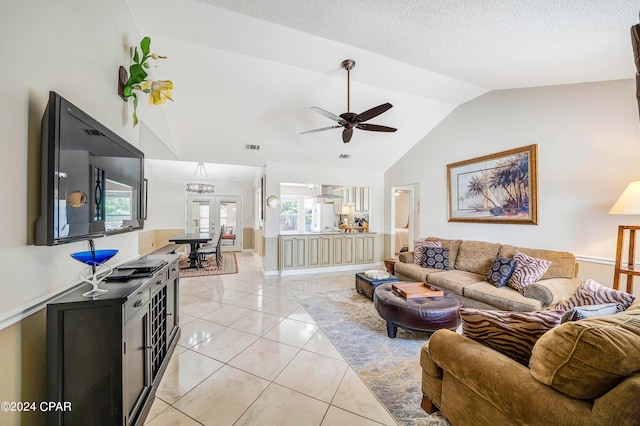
511,333
591,292
501,271
436,258
418,250
589,311
528,270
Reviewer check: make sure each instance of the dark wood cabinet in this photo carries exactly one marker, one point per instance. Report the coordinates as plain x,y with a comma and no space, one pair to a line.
106,355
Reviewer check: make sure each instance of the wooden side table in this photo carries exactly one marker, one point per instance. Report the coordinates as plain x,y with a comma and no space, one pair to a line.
390,264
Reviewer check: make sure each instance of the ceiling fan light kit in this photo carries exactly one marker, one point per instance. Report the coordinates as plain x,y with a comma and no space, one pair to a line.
350,120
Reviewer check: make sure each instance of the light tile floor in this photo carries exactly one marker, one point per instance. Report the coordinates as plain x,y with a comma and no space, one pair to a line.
250,354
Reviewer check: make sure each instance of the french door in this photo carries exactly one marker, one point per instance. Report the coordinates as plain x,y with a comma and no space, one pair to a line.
206,213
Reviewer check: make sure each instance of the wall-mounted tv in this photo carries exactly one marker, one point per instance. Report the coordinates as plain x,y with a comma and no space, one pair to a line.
92,179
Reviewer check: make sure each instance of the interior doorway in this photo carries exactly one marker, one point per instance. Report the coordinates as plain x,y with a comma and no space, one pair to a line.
402,218
207,213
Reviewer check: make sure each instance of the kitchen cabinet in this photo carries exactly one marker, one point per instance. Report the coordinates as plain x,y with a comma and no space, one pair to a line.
106,355
293,252
364,248
344,249
320,250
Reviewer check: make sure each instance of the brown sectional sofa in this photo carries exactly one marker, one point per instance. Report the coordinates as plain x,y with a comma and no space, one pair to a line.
469,262
585,372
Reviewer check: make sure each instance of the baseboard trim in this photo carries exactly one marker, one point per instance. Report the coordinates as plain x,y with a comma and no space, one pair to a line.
355,267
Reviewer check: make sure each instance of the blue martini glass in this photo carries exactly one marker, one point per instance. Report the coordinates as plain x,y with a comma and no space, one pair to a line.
95,259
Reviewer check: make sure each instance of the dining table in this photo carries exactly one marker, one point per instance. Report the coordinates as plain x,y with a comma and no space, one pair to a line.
194,240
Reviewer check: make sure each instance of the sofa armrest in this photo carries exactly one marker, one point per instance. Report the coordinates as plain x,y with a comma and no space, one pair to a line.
406,257
552,290
503,382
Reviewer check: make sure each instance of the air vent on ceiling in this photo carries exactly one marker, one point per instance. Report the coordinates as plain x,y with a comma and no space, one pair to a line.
345,156
252,147
93,132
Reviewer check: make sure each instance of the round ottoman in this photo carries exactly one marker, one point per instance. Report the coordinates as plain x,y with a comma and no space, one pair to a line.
422,314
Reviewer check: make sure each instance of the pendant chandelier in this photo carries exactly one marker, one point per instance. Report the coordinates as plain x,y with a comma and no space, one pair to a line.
201,187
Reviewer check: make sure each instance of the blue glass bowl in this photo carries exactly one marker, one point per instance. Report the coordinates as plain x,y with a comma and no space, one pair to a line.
94,258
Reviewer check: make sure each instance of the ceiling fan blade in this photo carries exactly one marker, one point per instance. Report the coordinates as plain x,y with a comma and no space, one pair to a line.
374,112
346,135
328,114
321,129
375,127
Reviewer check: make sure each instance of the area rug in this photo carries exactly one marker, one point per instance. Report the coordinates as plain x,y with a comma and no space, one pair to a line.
229,265
389,367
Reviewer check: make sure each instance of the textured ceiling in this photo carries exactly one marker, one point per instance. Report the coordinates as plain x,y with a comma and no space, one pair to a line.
491,43
246,72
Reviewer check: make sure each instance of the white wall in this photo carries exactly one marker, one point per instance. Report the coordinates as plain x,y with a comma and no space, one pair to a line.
74,48
167,198
277,173
588,138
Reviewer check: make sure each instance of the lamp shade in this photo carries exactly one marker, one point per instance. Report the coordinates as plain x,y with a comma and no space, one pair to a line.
629,201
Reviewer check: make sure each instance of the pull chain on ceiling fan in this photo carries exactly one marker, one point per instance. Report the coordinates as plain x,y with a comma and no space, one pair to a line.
349,120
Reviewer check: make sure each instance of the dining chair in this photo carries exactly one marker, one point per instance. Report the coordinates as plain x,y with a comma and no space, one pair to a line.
210,249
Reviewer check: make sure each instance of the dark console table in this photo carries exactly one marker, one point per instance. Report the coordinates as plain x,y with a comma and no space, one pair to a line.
106,355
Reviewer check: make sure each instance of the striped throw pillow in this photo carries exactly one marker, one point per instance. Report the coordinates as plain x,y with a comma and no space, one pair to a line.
528,270
511,333
591,292
418,250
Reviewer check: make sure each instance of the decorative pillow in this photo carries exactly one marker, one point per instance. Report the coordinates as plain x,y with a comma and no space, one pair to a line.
591,292
501,271
528,270
509,332
436,258
418,250
589,311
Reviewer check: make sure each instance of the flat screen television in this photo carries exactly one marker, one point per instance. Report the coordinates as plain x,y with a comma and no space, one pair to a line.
92,179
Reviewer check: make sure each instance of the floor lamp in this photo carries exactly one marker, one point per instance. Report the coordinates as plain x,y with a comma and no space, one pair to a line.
627,204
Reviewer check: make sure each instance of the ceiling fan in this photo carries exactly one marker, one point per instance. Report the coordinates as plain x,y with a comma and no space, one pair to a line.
349,120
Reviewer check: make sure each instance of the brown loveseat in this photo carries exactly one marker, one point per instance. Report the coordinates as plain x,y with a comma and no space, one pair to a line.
585,372
469,262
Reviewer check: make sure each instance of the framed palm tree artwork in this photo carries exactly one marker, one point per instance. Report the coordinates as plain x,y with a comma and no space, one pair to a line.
496,188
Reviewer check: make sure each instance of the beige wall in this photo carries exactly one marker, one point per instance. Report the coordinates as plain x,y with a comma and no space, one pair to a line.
151,240
23,368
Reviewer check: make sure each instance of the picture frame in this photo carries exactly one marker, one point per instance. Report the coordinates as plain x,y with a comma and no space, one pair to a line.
495,188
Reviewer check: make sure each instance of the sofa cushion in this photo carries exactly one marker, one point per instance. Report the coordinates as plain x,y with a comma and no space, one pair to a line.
411,271
511,333
501,271
589,311
453,280
476,256
436,258
563,264
591,292
528,270
452,245
585,359
504,298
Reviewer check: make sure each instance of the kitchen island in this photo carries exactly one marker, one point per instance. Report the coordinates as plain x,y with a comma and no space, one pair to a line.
335,250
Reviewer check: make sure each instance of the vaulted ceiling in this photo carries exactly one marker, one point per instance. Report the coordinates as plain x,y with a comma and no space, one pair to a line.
246,72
